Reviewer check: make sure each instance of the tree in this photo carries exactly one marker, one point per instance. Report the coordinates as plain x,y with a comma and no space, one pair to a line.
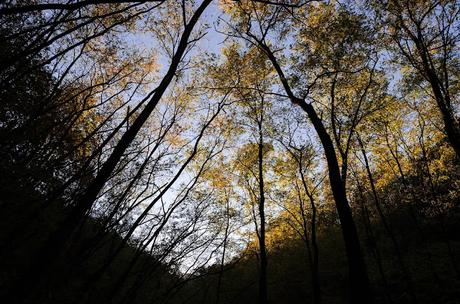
425,37
246,15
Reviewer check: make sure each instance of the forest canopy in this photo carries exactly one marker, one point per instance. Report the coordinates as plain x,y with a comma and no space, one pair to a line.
230,151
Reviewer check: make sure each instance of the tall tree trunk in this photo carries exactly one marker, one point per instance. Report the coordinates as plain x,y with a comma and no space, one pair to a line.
360,288
263,296
222,260
315,252
430,73
451,123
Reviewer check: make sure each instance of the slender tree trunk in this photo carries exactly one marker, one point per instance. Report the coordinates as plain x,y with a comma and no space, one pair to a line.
222,260
314,243
451,124
263,292
372,244
386,225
